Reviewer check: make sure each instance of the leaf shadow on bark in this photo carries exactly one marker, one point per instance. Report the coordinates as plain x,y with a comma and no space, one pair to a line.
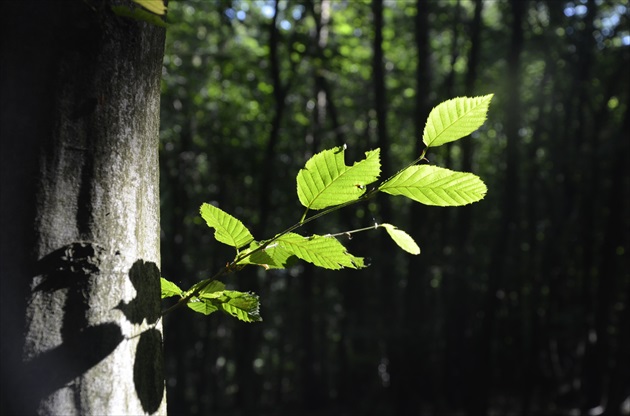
148,373
83,346
58,367
68,268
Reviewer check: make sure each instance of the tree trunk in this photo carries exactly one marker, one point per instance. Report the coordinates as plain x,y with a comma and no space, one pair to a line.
80,211
389,331
411,382
482,389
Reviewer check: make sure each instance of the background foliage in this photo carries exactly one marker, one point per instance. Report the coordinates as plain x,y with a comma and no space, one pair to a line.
519,303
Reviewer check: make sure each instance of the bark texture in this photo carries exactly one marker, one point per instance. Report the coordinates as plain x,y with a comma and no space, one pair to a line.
80,203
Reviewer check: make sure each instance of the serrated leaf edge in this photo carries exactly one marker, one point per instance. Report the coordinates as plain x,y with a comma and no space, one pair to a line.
430,193
239,240
442,108
346,169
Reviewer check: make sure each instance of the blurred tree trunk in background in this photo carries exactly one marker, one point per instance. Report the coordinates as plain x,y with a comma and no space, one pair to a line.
412,382
174,245
482,377
387,322
458,360
80,119
248,337
610,380
312,368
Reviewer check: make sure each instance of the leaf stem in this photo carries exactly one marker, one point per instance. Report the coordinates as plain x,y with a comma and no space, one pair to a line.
358,230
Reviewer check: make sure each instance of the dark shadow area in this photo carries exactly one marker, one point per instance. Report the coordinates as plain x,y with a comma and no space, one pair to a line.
145,278
59,366
83,347
148,373
71,268
68,266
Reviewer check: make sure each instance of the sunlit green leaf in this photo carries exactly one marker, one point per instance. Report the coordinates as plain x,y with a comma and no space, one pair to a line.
154,6
169,288
326,181
229,230
139,14
454,119
322,251
404,240
201,303
201,306
244,306
208,288
273,256
432,185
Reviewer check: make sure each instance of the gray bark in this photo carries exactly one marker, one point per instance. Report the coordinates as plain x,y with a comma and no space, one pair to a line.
80,211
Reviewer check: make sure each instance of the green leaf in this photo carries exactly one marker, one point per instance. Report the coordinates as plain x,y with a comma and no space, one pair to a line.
454,119
139,14
401,238
326,181
229,230
322,251
273,256
432,185
154,6
201,306
214,286
201,303
241,305
169,288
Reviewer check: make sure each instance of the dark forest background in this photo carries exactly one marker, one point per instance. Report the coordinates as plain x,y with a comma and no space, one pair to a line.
518,304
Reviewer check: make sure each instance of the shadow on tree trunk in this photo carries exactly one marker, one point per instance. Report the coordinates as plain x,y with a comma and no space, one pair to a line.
83,347
148,371
54,369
